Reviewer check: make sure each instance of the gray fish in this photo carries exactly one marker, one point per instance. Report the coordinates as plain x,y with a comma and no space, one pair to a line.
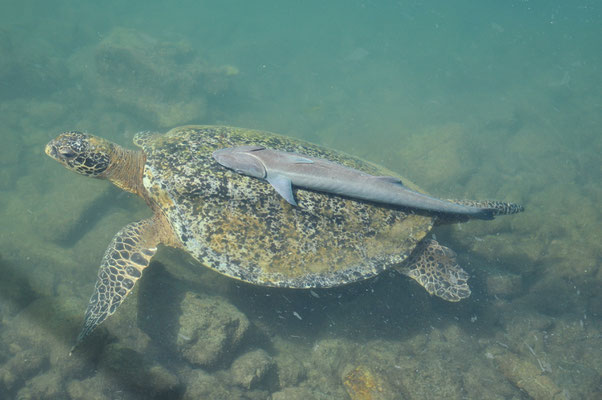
283,169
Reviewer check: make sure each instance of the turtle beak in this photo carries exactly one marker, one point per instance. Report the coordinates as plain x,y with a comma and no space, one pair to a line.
50,149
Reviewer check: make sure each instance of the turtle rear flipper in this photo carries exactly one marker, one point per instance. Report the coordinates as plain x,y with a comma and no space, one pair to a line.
435,268
128,254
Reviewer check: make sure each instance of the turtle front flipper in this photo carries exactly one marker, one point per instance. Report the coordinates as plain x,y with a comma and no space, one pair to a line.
126,257
435,268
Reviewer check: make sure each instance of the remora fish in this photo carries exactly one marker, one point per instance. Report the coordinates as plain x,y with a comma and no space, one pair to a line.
283,169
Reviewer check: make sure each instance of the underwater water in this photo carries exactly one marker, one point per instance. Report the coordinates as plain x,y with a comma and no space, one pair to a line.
478,100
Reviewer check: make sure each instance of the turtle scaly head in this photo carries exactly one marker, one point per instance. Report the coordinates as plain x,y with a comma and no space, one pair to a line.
83,153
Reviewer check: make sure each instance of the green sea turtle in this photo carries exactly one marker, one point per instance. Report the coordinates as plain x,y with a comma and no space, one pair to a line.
234,224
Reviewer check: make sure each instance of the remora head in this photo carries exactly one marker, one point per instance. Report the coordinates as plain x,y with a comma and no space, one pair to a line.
81,152
242,160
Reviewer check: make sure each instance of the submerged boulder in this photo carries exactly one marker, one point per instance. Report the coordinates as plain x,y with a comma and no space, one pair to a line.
210,328
250,369
165,81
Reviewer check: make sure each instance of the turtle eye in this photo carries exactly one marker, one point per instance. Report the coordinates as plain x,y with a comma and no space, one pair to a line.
67,152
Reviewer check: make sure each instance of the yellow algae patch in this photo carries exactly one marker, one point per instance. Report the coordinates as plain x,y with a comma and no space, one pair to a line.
362,384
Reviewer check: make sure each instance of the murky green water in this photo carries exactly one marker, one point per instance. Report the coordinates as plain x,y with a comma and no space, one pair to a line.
499,100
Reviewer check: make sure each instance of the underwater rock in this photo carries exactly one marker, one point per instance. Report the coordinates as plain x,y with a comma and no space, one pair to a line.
48,385
88,389
329,356
363,384
209,328
409,366
251,368
201,385
167,82
126,327
294,393
20,367
526,376
480,381
289,370
46,326
129,368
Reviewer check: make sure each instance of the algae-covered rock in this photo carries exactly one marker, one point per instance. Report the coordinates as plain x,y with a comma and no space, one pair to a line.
127,327
46,326
250,369
526,376
294,393
362,383
483,381
290,370
201,385
92,388
20,367
209,328
132,370
329,356
48,385
167,82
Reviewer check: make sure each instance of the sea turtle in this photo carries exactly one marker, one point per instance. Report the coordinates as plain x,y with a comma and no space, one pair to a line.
235,225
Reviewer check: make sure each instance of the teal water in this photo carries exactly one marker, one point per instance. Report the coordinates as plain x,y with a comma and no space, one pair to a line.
484,100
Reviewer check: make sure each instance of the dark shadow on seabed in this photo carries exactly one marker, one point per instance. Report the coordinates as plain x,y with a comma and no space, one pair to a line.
110,198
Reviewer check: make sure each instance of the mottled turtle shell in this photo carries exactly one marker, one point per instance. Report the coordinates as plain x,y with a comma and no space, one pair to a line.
240,227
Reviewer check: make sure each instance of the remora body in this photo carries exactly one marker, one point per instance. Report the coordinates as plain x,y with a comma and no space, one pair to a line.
283,169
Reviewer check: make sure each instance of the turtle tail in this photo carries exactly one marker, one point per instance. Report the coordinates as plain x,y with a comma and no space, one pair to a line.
491,208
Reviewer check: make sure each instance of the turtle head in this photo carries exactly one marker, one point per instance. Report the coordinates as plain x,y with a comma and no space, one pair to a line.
82,153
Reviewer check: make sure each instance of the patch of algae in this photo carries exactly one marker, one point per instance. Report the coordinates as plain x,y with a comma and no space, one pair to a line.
362,384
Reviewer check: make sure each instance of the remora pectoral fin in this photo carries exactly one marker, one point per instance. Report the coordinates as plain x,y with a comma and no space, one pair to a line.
284,187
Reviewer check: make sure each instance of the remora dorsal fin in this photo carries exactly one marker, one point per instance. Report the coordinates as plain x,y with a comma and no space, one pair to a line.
283,186
251,147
